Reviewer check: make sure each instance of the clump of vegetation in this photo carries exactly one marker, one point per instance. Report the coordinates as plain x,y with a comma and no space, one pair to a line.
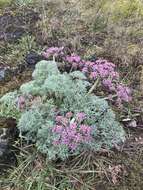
101,72
61,117
4,3
65,112
8,106
14,54
23,2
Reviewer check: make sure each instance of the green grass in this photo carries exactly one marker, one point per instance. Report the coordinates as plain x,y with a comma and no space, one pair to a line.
4,3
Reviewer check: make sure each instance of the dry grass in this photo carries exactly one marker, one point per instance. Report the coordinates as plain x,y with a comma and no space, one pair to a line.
89,171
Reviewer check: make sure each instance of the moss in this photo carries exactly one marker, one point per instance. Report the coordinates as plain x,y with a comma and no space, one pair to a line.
132,49
123,9
4,3
94,50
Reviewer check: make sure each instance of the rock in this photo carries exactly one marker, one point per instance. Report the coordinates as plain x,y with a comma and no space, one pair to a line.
5,74
7,156
7,122
8,134
2,74
33,58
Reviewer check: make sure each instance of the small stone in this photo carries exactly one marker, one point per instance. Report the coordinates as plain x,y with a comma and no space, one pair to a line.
2,74
8,134
133,124
33,58
5,74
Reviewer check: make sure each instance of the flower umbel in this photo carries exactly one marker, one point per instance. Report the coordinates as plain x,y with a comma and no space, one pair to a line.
73,134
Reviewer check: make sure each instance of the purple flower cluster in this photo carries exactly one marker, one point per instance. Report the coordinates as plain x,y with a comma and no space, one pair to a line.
101,69
104,70
71,131
53,51
74,59
109,79
123,94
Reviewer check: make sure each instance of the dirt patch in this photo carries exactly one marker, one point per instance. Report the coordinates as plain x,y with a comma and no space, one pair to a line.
14,25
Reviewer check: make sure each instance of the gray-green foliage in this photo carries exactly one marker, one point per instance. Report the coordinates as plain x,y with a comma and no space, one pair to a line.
23,2
8,105
65,92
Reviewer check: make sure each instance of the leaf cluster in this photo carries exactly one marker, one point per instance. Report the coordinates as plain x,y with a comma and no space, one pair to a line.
60,93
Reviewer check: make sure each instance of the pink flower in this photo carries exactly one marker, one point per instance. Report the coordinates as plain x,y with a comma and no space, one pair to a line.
65,140
103,72
95,67
89,64
80,116
21,102
69,114
57,129
62,120
114,75
85,70
108,84
93,75
74,65
53,51
85,129
73,134
81,64
65,121
59,118
73,125
73,58
78,138
123,93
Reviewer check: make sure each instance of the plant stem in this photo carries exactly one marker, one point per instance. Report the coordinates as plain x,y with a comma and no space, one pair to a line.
93,87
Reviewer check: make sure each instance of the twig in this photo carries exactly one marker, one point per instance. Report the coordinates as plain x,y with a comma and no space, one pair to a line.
93,87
